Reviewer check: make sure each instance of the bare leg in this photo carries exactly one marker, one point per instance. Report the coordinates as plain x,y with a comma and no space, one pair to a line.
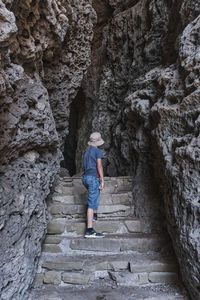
90,213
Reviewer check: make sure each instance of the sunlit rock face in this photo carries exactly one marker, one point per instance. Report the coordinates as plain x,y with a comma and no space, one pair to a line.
44,52
142,93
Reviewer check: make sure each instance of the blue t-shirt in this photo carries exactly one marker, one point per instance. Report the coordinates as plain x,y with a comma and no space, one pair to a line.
90,161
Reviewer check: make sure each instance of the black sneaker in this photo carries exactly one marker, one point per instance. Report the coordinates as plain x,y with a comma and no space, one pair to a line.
95,217
93,234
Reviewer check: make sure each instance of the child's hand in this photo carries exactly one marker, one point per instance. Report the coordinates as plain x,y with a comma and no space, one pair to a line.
101,187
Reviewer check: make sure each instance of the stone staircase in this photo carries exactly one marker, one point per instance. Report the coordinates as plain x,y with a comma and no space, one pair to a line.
129,263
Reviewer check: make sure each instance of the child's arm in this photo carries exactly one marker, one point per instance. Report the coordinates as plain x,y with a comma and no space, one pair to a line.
100,170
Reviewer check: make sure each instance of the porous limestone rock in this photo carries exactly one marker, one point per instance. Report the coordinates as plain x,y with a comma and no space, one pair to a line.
142,92
44,52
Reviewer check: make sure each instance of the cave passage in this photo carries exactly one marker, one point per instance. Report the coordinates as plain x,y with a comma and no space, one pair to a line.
77,111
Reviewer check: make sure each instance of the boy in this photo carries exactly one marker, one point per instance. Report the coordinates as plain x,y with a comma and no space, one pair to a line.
93,180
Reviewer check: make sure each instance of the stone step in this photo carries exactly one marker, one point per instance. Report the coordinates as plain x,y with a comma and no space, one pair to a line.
144,278
77,211
105,198
135,263
128,270
63,226
72,190
117,243
63,189
112,185
120,180
110,243
66,179
120,278
127,257
103,291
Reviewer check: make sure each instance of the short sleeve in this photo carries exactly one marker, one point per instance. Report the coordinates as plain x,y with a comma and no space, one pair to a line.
99,154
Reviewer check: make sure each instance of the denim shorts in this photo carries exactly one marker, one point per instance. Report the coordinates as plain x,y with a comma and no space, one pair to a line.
92,184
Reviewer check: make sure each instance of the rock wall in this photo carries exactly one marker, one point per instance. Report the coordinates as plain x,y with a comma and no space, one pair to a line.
44,52
142,93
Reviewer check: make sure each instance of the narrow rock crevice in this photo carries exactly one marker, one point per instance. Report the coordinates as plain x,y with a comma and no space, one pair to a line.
76,119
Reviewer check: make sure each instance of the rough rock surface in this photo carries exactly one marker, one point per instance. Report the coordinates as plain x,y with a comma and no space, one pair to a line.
44,52
142,93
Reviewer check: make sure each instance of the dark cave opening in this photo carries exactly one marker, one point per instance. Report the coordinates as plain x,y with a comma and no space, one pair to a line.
77,111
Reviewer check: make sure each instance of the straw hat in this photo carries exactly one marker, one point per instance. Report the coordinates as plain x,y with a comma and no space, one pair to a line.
95,139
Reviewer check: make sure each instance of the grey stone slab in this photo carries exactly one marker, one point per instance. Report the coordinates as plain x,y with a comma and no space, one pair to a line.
63,265
67,179
104,226
106,198
111,185
122,199
97,292
129,279
134,225
107,226
81,198
38,280
52,277
51,248
75,199
109,209
163,277
101,266
110,189
115,265
106,245
95,266
115,215
56,227
142,244
76,278
64,210
66,199
119,243
87,262
118,265
78,228
50,239
79,187
67,184
152,266
64,190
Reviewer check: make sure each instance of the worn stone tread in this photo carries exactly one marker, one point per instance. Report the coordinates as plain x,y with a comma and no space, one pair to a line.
81,199
103,292
132,262
117,219
62,210
115,243
118,243
126,278
61,226
111,207
138,235
112,185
